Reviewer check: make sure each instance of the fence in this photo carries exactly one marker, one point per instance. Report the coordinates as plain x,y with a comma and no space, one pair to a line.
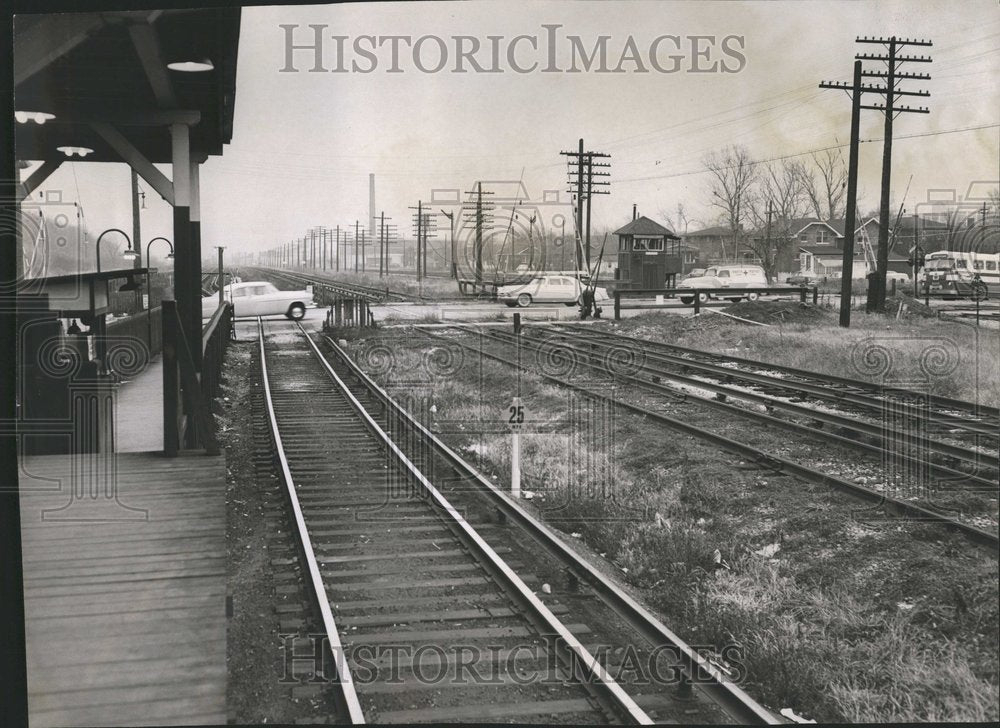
145,326
694,295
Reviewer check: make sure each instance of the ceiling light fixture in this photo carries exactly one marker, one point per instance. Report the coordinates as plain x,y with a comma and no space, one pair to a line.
192,66
71,151
39,117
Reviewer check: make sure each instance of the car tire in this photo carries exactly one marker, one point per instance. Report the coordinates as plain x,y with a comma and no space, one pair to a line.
509,304
570,304
753,296
296,312
686,300
734,300
524,300
703,297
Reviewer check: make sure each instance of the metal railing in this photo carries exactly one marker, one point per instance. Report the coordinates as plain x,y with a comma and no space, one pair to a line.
694,295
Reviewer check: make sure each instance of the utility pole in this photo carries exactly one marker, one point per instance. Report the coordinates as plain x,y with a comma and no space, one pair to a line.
876,280
767,230
419,220
581,170
876,285
479,215
381,244
136,235
357,234
222,277
363,250
336,251
451,245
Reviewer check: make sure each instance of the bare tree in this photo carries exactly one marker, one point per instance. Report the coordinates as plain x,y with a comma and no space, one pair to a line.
781,189
678,220
826,184
733,175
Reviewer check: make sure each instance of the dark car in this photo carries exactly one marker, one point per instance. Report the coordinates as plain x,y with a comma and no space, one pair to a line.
799,279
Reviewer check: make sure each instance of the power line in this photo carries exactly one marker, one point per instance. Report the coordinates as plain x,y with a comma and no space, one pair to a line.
814,151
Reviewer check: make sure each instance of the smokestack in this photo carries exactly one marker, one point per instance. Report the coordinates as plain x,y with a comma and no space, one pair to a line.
633,212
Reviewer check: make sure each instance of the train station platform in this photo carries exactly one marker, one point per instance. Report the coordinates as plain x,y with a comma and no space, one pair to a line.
138,411
125,588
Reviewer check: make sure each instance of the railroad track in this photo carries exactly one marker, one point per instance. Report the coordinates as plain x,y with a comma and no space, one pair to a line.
583,360
395,568
374,294
941,414
962,451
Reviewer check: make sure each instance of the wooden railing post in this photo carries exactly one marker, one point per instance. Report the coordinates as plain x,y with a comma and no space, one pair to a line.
171,382
618,305
697,302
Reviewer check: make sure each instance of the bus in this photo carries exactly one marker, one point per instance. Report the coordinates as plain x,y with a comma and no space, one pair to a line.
958,274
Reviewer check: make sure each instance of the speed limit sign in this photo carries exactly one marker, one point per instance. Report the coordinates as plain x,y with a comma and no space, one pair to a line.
516,414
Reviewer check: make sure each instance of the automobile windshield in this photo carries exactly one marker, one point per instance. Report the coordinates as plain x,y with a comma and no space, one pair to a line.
711,272
940,264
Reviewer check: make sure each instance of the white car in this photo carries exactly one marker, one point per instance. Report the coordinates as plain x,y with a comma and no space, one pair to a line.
735,277
260,298
546,289
895,275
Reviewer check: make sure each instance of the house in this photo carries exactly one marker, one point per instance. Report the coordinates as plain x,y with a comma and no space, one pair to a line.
821,249
714,245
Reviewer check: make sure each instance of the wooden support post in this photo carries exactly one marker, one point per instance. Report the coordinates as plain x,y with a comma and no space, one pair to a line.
171,382
697,303
618,306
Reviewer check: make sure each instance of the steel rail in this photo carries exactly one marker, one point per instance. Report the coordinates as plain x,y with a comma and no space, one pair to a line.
976,410
593,673
948,473
773,462
347,694
943,448
733,699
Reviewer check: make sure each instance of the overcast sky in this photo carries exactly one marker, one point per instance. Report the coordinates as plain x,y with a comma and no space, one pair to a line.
304,143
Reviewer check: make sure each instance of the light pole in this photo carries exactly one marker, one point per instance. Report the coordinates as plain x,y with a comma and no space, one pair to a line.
124,235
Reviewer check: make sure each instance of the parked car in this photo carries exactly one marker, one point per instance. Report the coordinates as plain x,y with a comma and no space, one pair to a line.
735,277
260,298
800,279
695,273
895,275
546,289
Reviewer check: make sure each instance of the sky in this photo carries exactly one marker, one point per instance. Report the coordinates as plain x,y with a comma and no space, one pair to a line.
304,143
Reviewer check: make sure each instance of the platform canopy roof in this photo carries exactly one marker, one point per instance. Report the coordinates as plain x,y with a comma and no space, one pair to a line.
644,226
111,68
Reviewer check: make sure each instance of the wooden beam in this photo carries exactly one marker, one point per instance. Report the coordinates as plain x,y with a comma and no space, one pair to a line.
155,117
48,39
147,46
125,149
37,177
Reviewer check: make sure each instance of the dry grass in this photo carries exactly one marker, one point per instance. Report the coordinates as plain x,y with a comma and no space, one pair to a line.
818,628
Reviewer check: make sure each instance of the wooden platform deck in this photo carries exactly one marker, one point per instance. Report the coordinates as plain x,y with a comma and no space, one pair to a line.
125,589
139,411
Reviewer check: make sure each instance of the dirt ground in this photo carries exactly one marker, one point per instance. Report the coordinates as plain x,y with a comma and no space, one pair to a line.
268,599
